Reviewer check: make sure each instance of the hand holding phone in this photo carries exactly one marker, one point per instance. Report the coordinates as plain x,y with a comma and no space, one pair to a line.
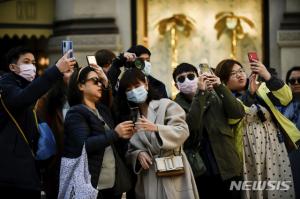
67,45
134,114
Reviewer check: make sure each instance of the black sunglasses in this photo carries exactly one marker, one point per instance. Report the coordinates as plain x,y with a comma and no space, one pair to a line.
293,81
190,76
95,80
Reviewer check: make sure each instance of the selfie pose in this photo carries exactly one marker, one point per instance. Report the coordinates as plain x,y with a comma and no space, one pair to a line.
160,133
20,90
209,106
264,133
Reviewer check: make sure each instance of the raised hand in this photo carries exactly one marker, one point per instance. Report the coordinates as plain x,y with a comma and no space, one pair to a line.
65,64
214,80
253,84
260,69
203,82
100,74
130,57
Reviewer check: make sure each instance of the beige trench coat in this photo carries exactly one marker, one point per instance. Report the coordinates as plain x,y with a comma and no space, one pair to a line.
172,132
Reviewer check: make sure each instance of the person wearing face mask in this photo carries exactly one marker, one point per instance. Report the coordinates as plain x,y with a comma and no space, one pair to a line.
19,89
209,106
127,59
160,131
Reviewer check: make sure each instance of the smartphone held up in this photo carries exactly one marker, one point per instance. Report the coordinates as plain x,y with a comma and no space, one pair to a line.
252,56
91,59
204,67
67,45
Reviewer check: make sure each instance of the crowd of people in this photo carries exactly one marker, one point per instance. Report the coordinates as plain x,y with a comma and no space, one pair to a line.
222,128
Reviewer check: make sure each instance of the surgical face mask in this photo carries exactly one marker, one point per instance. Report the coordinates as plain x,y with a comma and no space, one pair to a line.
147,68
188,86
137,95
27,71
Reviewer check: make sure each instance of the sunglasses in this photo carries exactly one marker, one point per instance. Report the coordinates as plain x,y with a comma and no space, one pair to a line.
293,81
190,76
95,80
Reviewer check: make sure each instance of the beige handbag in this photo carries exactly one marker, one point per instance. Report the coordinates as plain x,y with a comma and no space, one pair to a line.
169,166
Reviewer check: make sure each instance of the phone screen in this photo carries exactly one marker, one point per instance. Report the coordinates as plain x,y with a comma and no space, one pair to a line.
205,69
66,46
252,56
91,59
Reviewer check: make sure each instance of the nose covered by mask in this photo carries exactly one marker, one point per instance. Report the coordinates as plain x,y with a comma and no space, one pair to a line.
188,86
27,71
137,95
147,68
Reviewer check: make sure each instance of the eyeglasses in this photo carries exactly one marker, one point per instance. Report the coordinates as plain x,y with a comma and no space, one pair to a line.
95,80
235,73
190,76
293,81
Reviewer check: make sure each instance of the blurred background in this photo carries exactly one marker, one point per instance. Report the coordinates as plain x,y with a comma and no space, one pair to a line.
175,31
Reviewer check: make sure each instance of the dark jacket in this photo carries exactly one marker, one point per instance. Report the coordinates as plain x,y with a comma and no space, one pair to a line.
18,167
83,126
115,71
210,112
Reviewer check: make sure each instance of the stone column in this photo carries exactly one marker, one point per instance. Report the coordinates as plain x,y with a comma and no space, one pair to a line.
91,25
288,37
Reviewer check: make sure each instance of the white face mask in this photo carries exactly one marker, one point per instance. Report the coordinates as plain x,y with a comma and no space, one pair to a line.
27,71
147,68
188,86
137,95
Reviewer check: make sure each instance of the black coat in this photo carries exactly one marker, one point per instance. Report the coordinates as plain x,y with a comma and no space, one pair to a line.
83,127
18,167
115,71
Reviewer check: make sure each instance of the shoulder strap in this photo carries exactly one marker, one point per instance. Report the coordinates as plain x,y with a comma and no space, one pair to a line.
16,123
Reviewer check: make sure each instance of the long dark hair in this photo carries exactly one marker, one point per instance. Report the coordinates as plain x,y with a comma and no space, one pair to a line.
57,95
75,96
131,77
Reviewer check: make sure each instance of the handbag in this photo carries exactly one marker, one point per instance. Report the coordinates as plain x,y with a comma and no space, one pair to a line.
169,166
195,161
75,179
46,142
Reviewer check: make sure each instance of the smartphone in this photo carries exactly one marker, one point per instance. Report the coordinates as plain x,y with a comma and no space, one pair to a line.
205,69
67,45
252,56
134,114
91,59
